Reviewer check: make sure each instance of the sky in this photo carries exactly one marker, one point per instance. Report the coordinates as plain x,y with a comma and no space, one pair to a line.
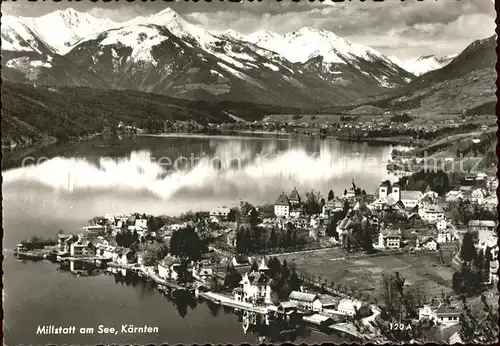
404,29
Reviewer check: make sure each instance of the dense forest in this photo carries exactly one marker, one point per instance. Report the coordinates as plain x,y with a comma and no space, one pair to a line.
31,114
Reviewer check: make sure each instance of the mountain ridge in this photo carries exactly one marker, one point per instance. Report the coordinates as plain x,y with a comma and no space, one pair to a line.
207,65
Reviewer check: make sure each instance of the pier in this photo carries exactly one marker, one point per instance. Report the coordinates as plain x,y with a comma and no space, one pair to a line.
226,301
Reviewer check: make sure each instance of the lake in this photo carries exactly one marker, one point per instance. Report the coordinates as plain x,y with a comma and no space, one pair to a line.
153,175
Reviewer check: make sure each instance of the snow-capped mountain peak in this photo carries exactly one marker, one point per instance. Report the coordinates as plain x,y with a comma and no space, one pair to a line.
424,64
18,37
61,29
306,43
231,33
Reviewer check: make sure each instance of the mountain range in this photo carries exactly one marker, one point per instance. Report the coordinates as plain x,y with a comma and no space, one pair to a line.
165,54
307,68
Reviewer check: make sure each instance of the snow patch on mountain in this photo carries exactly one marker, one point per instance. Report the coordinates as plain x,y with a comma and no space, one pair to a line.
271,66
307,43
424,64
30,68
140,38
18,37
62,29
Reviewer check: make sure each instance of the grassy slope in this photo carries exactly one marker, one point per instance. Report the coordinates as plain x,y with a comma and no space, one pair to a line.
467,83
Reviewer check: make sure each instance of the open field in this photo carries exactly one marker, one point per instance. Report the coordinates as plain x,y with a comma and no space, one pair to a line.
365,274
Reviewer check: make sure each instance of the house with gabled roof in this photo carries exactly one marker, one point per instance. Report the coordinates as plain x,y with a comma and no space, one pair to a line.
389,239
426,243
254,287
332,206
294,197
63,243
440,313
410,198
168,268
431,213
303,300
282,206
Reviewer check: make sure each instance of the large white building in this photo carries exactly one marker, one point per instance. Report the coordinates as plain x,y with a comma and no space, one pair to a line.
255,286
391,196
220,212
282,206
389,239
410,198
348,306
302,300
440,313
431,213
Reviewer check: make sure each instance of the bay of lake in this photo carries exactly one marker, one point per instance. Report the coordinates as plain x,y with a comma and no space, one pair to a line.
152,175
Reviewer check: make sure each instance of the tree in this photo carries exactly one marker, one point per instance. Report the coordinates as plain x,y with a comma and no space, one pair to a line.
367,239
468,250
214,284
294,281
331,195
186,243
482,328
154,254
255,266
232,278
455,215
233,215
467,281
285,272
273,239
312,204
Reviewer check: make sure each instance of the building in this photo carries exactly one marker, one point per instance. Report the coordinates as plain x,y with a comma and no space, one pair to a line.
168,268
431,194
303,300
241,260
315,221
324,301
343,227
202,274
478,195
439,313
392,197
442,225
427,243
425,201
431,213
348,306
492,184
410,198
493,272
482,225
331,207
95,228
255,287
295,212
231,238
444,236
389,239
81,247
221,213
64,243
294,197
124,256
282,206
454,196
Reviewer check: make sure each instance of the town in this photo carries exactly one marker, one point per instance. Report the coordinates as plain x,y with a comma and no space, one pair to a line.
416,261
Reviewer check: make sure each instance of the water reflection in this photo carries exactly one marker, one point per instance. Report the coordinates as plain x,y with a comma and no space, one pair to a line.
271,329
